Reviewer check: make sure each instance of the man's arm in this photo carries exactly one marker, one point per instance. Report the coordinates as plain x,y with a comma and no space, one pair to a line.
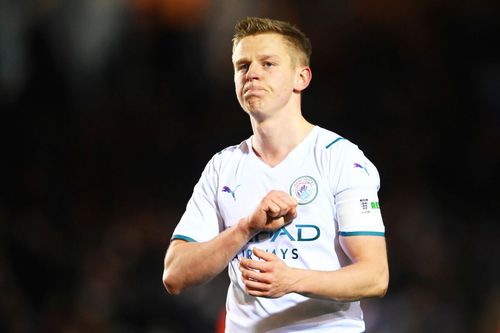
190,264
367,276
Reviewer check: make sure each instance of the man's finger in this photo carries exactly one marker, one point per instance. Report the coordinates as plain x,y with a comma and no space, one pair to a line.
290,215
254,286
272,209
263,254
252,275
252,264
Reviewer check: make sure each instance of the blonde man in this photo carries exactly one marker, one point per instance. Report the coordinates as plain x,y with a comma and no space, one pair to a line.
292,211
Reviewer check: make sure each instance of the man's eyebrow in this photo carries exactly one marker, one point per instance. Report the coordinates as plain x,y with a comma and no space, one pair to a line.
259,57
269,56
240,61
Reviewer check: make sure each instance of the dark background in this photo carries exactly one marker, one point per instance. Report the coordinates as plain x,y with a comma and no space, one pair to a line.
110,110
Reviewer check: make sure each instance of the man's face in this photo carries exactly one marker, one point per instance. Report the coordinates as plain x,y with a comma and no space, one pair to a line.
264,74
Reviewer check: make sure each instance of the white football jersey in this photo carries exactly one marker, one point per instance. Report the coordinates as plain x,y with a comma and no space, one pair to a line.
336,187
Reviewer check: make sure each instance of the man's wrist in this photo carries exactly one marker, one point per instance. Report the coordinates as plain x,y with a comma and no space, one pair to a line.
244,227
296,283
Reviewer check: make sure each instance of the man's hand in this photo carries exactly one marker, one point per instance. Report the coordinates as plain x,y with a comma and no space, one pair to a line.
269,277
274,211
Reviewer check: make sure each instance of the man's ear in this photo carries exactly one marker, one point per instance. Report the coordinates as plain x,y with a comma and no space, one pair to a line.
303,78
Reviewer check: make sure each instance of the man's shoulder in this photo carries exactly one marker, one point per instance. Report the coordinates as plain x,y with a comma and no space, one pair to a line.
231,153
239,149
329,141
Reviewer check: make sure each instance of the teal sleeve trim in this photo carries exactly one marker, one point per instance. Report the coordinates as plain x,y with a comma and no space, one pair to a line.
186,238
334,142
361,233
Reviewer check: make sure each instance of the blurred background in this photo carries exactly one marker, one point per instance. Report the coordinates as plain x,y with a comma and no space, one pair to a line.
111,108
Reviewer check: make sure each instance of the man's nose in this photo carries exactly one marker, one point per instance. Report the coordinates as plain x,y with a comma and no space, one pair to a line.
254,71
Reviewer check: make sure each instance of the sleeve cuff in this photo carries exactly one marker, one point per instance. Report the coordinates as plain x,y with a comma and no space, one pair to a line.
361,233
185,238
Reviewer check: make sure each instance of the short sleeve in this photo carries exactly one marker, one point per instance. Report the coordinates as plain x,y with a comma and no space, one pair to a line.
201,220
356,194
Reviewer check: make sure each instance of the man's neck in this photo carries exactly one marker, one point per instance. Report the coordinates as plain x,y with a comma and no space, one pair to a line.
274,140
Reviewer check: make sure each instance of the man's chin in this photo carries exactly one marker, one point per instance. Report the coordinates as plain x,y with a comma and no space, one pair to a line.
253,105
257,113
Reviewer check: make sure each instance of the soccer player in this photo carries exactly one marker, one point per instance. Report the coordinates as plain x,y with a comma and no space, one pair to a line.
292,211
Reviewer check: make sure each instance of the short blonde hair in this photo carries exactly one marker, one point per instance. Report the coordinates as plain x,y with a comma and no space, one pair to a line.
255,25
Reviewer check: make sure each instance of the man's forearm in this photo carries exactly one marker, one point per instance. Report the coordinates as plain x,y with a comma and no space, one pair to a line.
353,282
190,264
368,276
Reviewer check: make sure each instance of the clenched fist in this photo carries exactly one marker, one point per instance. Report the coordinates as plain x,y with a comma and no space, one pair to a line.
274,211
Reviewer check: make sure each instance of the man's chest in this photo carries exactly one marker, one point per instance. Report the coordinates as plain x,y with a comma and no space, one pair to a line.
242,187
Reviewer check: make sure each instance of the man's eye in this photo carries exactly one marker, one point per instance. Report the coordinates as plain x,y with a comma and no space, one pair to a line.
243,67
268,64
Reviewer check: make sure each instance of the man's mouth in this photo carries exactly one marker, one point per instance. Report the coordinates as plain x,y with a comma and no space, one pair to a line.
252,90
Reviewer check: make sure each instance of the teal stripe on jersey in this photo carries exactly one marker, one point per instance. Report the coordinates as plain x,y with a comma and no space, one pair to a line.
361,233
186,238
334,142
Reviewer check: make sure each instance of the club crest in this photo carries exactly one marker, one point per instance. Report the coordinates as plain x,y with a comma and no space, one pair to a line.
304,189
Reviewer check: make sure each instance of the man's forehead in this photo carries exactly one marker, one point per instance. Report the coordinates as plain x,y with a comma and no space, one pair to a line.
261,45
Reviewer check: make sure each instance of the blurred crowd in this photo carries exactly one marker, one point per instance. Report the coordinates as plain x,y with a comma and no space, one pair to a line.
110,110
